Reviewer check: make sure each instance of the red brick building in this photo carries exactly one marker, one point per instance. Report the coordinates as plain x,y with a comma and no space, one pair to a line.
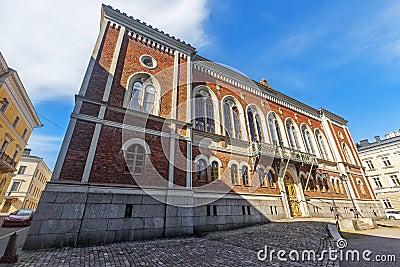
163,142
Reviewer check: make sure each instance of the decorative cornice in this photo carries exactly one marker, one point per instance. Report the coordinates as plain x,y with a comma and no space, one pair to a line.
147,33
242,82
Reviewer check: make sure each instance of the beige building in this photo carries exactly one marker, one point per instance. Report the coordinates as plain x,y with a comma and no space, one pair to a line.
27,185
381,160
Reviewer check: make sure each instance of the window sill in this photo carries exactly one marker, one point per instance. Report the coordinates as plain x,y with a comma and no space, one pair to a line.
388,167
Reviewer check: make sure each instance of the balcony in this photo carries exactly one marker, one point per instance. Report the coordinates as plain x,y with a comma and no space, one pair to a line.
283,153
7,164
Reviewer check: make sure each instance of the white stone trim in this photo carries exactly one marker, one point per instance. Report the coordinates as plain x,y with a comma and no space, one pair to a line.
199,157
93,58
113,66
214,158
63,150
91,154
231,162
137,141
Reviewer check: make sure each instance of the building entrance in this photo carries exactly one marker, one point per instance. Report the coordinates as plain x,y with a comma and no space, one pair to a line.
292,198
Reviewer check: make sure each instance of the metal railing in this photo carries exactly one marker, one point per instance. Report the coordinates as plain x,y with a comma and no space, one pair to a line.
7,160
270,150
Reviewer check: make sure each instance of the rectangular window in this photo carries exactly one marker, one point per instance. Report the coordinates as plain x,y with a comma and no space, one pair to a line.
14,157
272,210
243,210
395,180
4,146
387,203
16,121
21,169
377,182
215,210
15,186
24,133
128,210
4,105
248,210
386,161
208,210
370,165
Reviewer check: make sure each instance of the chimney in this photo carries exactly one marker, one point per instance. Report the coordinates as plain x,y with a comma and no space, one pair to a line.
364,142
27,152
377,138
265,83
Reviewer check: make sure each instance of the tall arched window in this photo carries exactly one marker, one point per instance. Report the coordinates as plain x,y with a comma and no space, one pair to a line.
202,170
245,175
274,130
214,171
262,177
134,157
347,156
361,186
143,95
234,174
254,125
292,135
204,112
321,144
232,119
307,139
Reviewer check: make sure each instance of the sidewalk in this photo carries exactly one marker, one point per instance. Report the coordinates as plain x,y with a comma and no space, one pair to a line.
226,248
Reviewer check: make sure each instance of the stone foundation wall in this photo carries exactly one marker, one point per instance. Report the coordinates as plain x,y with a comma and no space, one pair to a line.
74,215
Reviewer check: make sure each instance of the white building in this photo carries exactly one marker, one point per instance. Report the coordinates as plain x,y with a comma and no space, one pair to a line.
27,185
382,162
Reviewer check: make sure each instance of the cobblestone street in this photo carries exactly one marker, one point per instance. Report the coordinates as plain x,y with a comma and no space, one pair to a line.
227,248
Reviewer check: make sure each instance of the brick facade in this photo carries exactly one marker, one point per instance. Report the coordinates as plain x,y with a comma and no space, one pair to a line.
174,147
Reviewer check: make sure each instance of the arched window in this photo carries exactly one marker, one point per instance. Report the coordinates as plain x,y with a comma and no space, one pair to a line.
271,180
361,186
292,135
204,112
234,174
263,178
143,95
274,130
214,171
348,158
321,144
232,119
201,170
325,184
307,139
134,157
245,175
335,185
254,125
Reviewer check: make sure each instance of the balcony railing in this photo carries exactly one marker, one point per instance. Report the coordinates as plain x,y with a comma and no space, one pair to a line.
269,150
7,164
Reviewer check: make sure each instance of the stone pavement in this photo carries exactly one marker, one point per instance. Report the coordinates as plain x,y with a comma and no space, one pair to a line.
237,247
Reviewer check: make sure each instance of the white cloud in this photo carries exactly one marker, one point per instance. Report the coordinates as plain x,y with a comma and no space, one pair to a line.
49,42
46,147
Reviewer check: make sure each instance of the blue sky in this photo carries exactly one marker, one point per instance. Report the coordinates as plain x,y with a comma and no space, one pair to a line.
340,55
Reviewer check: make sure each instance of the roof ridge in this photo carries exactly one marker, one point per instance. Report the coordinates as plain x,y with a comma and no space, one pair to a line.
149,26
